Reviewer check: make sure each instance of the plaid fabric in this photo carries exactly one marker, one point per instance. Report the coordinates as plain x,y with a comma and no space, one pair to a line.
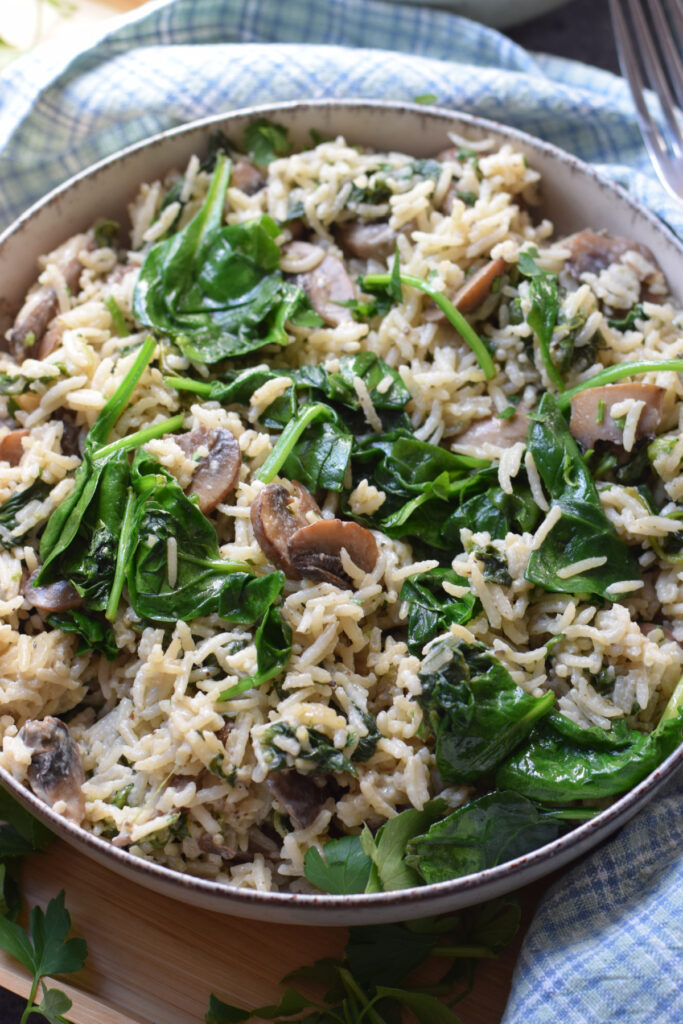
605,944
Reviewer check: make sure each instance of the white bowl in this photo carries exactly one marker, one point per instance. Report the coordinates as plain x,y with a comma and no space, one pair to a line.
574,196
497,13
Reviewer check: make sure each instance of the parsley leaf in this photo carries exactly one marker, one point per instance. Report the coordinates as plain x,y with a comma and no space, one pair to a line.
342,867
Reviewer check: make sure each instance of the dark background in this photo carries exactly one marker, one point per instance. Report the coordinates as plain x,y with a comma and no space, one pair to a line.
581,30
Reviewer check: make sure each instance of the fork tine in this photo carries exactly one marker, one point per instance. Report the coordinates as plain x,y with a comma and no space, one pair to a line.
630,68
653,65
669,48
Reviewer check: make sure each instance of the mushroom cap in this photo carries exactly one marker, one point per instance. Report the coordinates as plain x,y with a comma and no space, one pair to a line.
59,596
276,516
215,475
591,422
55,773
315,550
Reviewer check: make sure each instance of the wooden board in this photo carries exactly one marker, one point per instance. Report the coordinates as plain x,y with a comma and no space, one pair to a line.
153,960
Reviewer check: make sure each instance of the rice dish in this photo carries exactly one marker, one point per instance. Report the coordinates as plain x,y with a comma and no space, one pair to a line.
340,501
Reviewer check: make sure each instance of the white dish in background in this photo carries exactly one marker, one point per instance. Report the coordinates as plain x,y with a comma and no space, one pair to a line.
574,196
496,13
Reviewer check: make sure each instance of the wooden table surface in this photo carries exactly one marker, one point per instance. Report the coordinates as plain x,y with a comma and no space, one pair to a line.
152,960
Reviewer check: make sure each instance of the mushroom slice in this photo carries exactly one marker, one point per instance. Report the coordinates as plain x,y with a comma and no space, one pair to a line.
275,521
298,796
592,421
55,773
477,287
315,550
495,430
215,475
593,251
11,448
246,177
366,240
327,285
42,304
60,596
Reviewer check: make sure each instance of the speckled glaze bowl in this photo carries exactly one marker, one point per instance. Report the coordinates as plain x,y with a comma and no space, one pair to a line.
574,196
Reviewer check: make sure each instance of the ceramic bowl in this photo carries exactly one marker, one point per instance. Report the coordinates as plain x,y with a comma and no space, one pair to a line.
574,196
497,13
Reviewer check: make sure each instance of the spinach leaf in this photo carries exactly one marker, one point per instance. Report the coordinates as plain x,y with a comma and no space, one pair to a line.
564,762
367,745
318,460
628,322
342,867
202,583
217,290
95,634
475,710
421,482
584,530
266,141
308,383
485,832
387,848
431,609
17,384
37,491
319,751
494,565
273,642
545,307
494,512
81,536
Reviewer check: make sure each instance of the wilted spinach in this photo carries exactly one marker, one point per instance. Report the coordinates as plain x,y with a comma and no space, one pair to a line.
266,141
81,538
216,290
431,610
475,710
485,832
387,848
320,752
564,762
37,491
584,530
422,482
203,583
95,634
273,642
545,307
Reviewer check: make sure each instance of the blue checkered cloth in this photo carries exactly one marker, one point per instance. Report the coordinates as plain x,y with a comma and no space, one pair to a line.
605,945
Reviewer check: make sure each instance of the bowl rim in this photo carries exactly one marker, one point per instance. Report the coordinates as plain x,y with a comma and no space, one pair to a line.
233,898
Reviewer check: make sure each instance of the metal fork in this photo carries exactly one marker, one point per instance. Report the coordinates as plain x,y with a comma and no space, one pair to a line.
649,48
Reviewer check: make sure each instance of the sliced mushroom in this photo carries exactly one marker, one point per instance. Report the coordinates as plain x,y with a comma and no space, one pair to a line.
495,430
472,293
55,773
477,287
210,843
327,285
592,421
11,448
298,796
593,251
47,598
315,550
366,240
276,516
215,475
246,176
42,304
